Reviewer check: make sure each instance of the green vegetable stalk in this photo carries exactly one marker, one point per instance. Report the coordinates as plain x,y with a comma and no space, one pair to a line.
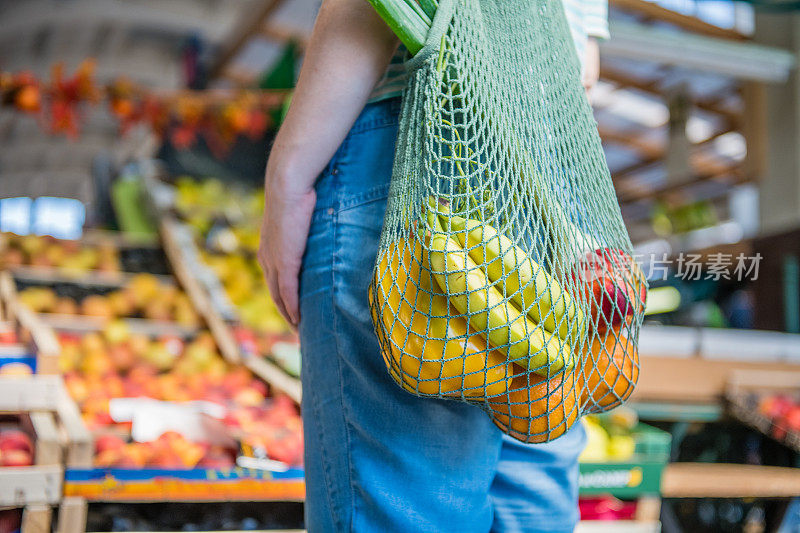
409,20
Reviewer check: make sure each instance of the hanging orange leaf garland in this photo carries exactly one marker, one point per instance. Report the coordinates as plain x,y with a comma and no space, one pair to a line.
220,117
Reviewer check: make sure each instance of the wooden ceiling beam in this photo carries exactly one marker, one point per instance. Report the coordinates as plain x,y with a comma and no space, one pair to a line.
652,152
284,35
632,140
653,11
732,175
652,87
248,26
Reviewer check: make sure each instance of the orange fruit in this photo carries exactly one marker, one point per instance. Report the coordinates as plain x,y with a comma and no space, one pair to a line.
537,409
610,371
427,348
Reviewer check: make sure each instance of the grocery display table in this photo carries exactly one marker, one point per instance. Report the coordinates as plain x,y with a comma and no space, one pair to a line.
193,485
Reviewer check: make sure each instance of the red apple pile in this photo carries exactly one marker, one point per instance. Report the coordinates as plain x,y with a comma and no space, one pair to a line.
99,367
16,448
277,431
170,451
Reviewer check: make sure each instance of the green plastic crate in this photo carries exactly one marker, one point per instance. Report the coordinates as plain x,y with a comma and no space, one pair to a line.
640,475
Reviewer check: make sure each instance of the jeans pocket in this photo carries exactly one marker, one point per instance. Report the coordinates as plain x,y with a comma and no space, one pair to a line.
358,230
364,202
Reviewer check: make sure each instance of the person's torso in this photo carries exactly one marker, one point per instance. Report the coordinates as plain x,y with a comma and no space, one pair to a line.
393,80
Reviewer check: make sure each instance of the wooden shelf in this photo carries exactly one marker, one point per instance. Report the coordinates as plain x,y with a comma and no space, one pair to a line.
275,376
700,480
219,329
94,278
83,323
26,485
47,393
694,379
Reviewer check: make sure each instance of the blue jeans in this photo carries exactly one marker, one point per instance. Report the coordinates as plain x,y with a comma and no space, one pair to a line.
377,458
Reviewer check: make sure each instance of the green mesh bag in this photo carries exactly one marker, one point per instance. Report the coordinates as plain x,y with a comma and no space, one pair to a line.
504,275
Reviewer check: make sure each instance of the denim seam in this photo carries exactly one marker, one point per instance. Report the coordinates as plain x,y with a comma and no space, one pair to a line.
378,192
334,257
326,464
331,485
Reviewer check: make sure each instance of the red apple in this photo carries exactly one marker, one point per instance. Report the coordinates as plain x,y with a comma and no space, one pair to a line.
122,357
775,406
16,458
108,442
14,439
215,458
793,418
107,458
613,284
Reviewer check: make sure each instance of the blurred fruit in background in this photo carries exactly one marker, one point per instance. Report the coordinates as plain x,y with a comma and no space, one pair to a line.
70,257
610,436
114,363
16,448
226,221
783,411
171,451
142,296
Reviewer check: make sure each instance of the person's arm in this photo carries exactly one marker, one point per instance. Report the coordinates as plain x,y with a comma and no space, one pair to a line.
595,20
349,50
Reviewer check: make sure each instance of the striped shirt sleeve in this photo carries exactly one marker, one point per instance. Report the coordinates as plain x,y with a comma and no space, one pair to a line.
595,18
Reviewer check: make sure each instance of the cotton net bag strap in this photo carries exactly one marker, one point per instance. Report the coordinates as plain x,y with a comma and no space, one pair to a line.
504,275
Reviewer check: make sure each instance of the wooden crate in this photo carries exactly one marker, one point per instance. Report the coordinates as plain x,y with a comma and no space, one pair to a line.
42,339
44,409
36,518
48,403
72,515
40,483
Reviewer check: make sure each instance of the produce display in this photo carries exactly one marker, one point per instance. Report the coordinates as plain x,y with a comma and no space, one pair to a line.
115,363
227,224
103,253
225,221
784,412
171,450
775,414
609,436
141,296
70,257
